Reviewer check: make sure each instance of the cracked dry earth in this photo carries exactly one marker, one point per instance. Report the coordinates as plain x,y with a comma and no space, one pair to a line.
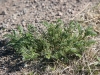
24,12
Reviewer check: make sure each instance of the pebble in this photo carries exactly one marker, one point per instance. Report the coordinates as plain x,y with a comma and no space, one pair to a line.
60,13
23,22
70,11
14,16
5,26
3,13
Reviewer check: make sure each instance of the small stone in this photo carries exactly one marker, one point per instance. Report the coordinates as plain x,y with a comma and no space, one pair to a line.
35,1
3,13
14,16
23,22
60,13
77,1
70,11
36,21
4,26
25,65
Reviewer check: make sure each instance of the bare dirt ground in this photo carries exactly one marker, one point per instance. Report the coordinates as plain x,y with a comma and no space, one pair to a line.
23,12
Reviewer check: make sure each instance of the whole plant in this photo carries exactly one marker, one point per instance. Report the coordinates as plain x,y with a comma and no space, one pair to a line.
57,42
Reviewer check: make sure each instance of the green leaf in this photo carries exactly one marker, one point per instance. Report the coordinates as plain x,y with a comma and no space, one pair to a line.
89,42
62,52
98,58
90,31
48,53
28,54
20,29
56,55
74,50
66,49
96,63
79,55
31,28
46,24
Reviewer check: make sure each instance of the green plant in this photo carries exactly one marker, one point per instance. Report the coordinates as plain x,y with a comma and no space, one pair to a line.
56,43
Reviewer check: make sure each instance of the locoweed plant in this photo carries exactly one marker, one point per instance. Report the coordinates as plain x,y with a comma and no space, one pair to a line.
57,43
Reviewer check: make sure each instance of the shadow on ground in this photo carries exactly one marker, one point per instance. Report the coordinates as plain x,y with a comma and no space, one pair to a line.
9,61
